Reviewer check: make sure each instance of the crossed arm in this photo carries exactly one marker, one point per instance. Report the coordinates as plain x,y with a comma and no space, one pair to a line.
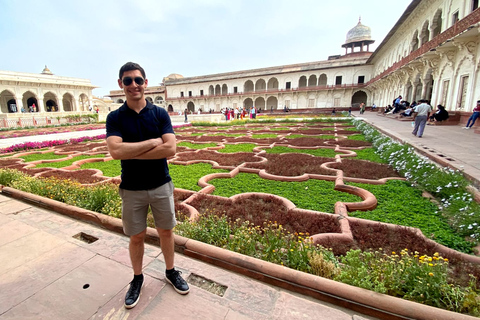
158,148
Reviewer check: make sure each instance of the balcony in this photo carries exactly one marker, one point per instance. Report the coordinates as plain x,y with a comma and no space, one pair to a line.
272,91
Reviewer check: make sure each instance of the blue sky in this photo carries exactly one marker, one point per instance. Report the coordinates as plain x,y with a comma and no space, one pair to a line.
92,38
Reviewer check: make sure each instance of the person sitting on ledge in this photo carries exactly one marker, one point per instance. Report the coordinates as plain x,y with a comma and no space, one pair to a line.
388,109
440,115
407,113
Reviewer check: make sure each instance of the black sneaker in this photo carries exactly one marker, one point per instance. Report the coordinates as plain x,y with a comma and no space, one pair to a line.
133,294
180,285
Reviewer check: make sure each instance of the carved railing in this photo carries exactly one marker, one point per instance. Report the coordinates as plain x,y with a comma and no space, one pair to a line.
459,27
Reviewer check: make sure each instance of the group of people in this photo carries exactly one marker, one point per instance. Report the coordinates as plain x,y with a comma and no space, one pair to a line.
239,113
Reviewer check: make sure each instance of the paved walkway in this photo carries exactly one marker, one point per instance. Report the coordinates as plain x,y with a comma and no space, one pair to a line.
458,147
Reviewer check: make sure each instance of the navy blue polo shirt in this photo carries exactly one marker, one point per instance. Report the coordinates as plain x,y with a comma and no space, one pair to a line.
152,122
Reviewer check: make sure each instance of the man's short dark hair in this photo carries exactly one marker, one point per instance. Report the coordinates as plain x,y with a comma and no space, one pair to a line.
129,66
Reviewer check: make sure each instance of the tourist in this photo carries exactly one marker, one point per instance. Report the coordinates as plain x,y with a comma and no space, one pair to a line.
186,115
362,108
407,113
350,111
374,107
141,136
474,116
333,112
440,115
421,112
253,113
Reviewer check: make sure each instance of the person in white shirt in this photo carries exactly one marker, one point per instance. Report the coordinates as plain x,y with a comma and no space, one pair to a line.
421,113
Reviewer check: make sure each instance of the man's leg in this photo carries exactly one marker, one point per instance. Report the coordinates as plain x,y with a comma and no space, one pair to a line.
417,123
423,122
163,210
167,243
137,248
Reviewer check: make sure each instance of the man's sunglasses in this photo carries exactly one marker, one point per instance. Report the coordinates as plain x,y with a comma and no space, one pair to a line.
128,81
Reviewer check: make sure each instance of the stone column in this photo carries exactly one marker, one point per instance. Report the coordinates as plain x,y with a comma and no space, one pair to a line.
60,106
424,88
414,92
40,106
19,103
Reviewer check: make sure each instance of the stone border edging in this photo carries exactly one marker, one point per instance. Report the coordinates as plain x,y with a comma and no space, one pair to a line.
358,299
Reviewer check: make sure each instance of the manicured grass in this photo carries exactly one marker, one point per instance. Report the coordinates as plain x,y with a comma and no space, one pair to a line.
110,168
316,195
359,137
264,136
196,145
186,177
66,163
242,147
279,129
42,156
369,154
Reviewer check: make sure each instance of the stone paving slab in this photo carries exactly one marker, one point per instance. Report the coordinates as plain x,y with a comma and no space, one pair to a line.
25,281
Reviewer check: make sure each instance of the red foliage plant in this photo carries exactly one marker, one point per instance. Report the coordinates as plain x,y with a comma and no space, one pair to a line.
223,159
260,209
364,169
292,164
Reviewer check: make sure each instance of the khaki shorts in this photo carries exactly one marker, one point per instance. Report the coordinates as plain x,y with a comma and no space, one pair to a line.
135,206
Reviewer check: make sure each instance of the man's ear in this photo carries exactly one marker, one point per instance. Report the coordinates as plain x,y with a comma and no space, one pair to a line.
146,83
120,84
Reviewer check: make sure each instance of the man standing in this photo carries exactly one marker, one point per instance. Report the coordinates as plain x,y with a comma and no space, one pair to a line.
422,112
141,136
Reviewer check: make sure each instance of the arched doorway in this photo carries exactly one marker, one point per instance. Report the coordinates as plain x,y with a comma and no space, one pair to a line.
120,101
67,103
83,102
247,103
302,82
158,100
272,84
51,105
5,97
12,105
322,80
248,86
170,108
30,103
51,101
272,103
260,103
149,99
359,97
260,85
191,106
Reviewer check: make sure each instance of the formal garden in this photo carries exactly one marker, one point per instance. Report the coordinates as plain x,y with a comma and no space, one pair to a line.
328,196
